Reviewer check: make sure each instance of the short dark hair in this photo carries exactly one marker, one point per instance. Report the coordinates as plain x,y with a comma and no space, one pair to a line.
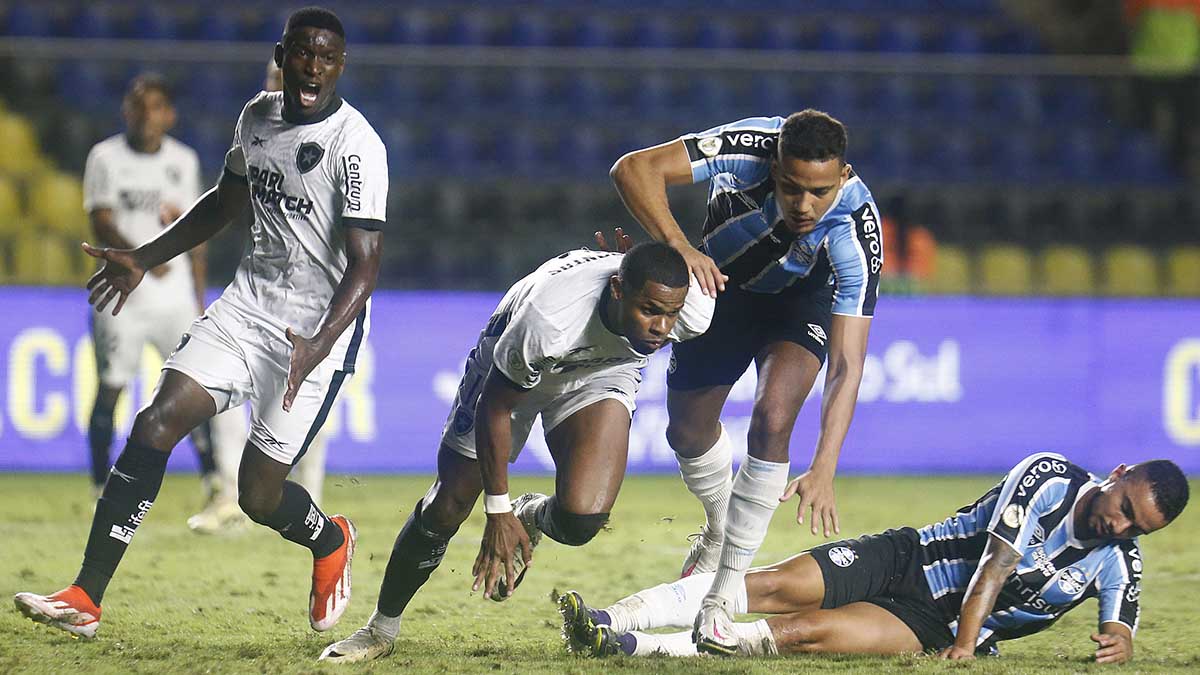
1167,483
314,17
812,136
653,261
150,81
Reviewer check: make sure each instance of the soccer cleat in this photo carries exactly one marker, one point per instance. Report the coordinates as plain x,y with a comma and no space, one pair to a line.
713,630
69,609
577,622
331,580
703,557
603,641
525,509
218,516
364,644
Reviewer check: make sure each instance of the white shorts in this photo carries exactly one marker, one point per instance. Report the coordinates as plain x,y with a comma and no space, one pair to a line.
554,404
236,362
119,340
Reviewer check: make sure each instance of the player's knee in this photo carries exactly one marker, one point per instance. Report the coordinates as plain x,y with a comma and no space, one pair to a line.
800,633
770,428
575,529
257,505
152,427
446,512
688,440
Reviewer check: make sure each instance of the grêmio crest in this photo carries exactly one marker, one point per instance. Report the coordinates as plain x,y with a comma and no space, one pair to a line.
308,155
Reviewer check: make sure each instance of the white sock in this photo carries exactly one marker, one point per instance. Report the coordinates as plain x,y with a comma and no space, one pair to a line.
755,639
667,605
669,644
387,626
710,478
755,497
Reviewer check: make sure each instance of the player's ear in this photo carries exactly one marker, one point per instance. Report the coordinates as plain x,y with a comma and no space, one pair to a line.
1118,472
279,55
614,286
845,171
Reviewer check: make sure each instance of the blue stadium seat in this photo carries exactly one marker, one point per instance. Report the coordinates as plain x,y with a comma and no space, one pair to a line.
897,97
474,28
1013,40
837,95
415,27
900,36
717,31
460,151
1078,155
958,97
217,25
88,85
960,37
28,19
781,33
656,31
1071,100
778,93
529,90
891,155
653,95
154,22
1137,159
521,151
708,96
587,93
841,35
93,21
584,152
212,88
401,155
1017,98
532,29
597,30
1012,157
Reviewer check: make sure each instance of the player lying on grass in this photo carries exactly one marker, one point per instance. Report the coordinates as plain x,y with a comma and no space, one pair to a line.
1046,538
567,342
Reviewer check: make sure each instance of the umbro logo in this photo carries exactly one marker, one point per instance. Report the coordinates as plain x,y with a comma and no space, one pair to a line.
258,142
817,333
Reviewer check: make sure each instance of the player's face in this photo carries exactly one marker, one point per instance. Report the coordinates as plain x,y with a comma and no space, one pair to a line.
1124,508
805,190
149,114
310,60
648,315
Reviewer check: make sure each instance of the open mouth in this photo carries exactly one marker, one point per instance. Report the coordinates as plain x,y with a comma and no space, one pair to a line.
308,93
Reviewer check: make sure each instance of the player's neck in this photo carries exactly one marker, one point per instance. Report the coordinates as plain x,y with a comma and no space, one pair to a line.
144,146
609,315
291,113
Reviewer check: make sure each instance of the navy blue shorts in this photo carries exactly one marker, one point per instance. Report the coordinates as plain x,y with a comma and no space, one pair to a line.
745,322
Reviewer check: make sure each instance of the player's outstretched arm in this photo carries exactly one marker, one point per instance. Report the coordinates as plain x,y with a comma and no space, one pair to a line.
503,534
847,354
641,178
998,561
364,250
1114,643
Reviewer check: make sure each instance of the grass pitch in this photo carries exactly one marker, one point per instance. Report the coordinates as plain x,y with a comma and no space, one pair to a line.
185,603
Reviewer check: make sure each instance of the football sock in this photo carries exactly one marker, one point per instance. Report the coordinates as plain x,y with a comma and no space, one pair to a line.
203,442
387,626
754,639
667,605
298,520
100,437
710,478
415,555
754,499
128,494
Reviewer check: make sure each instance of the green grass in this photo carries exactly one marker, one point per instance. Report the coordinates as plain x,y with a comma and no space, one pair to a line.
183,603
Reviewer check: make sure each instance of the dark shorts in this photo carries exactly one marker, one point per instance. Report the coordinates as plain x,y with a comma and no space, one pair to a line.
742,324
884,570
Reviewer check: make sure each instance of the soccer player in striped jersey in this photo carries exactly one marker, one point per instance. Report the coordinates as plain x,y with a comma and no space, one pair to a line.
792,243
1046,538
283,336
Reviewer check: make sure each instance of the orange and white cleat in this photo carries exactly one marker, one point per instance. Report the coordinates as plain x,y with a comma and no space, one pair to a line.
330,594
69,609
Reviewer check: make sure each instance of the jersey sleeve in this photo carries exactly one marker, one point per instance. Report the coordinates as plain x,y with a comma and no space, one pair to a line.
362,174
1033,488
526,348
1120,585
98,189
235,158
856,255
742,149
695,316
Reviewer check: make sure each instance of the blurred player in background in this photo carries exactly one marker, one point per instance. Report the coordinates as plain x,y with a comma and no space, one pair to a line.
1049,536
796,234
309,472
283,336
567,343
135,184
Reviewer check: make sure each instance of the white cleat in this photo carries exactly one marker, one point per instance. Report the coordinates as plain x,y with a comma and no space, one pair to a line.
704,555
713,631
525,509
218,516
364,644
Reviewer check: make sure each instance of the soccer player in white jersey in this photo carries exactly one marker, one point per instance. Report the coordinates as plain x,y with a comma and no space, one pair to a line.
135,183
283,336
1043,541
567,342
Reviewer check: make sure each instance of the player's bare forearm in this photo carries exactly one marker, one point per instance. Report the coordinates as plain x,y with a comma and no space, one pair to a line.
215,209
493,430
199,258
364,249
642,177
104,226
843,375
998,561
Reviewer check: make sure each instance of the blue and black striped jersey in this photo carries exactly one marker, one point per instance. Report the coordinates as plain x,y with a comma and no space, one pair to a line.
1032,511
745,234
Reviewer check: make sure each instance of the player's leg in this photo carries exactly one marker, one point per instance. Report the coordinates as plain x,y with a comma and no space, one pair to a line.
221,513
117,343
416,553
857,628
100,433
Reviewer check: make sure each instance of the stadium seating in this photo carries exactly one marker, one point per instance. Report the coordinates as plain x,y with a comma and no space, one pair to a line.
1130,271
1005,269
21,155
951,271
1183,271
1066,270
56,203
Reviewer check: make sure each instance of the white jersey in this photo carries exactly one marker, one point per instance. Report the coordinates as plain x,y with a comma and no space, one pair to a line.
549,326
307,181
137,187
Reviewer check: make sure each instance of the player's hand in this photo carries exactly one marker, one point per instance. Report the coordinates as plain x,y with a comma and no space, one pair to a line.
1113,648
956,653
704,268
815,490
502,537
621,240
306,354
160,271
116,278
